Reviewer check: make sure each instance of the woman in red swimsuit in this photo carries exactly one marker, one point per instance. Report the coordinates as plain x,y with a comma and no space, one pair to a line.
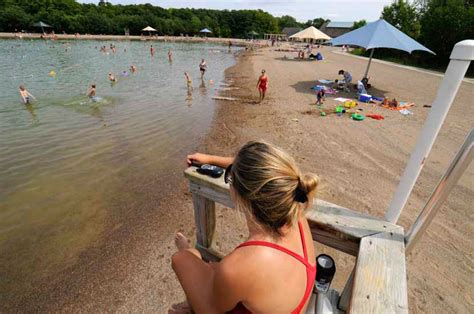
262,85
274,270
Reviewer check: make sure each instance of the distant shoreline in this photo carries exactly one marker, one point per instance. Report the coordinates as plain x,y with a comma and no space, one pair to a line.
235,41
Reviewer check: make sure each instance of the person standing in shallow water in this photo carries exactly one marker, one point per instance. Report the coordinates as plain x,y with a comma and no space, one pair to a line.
152,50
26,96
170,56
203,67
262,85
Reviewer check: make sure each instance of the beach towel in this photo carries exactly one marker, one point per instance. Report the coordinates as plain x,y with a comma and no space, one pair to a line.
327,90
406,112
342,99
325,81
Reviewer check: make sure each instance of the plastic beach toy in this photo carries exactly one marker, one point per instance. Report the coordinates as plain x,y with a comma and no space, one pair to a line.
339,109
52,73
357,117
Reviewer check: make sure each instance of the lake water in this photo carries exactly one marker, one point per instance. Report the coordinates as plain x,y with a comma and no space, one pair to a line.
64,160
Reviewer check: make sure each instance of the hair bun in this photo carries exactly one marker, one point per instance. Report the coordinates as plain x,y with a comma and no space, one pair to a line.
308,183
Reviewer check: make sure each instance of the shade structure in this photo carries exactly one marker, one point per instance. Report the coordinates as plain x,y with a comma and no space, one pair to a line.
379,34
310,33
42,25
149,29
205,30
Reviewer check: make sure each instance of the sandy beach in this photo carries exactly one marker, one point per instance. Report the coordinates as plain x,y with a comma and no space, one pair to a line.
359,164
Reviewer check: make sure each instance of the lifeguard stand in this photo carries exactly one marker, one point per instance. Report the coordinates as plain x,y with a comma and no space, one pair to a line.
378,283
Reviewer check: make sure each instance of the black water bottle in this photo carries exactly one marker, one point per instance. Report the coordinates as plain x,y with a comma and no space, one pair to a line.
325,270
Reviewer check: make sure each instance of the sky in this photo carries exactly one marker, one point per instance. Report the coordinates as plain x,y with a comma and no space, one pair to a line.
302,10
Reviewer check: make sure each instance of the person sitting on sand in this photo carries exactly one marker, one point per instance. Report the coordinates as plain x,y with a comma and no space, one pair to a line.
112,78
274,270
91,91
203,67
347,79
262,85
189,82
25,95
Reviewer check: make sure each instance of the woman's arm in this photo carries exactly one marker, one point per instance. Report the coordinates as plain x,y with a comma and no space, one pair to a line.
222,162
259,79
209,288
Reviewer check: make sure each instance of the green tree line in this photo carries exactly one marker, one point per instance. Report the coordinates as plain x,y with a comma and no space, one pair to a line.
437,24
71,17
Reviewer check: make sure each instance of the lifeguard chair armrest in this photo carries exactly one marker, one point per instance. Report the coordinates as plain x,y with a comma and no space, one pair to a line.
332,225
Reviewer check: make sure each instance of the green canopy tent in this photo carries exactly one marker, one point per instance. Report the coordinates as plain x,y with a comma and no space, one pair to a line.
252,34
42,25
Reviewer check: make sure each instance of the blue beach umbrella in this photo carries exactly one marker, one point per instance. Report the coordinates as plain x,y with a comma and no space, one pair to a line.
379,34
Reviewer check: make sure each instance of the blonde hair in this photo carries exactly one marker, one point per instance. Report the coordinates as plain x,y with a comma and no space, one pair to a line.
267,182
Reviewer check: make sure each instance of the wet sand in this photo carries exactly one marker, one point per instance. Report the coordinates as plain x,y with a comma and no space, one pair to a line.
359,164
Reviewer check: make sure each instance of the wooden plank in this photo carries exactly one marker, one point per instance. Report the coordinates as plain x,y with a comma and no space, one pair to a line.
209,193
205,219
380,282
344,223
346,294
332,225
209,254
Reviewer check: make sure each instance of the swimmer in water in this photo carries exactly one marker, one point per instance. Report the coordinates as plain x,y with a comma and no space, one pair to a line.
91,91
25,95
189,82
170,56
133,68
152,50
112,78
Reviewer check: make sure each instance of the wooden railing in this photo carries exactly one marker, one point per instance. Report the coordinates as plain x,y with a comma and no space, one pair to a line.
378,282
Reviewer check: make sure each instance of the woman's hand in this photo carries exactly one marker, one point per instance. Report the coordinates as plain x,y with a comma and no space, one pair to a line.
199,158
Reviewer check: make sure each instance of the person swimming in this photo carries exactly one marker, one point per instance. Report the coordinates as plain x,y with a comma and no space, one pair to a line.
25,95
112,78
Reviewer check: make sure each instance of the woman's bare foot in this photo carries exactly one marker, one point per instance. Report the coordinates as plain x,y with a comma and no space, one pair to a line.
181,241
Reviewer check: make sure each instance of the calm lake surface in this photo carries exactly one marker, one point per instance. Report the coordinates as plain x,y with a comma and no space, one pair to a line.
65,160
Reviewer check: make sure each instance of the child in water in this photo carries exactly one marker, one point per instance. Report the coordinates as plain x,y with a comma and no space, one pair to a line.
25,95
189,82
91,91
133,68
112,78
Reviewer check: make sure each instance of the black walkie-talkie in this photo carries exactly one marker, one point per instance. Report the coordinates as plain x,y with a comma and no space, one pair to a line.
210,170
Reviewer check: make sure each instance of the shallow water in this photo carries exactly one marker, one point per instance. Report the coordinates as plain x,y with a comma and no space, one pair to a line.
64,158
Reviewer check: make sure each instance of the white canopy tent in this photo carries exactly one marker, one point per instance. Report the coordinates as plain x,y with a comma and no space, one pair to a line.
310,33
149,29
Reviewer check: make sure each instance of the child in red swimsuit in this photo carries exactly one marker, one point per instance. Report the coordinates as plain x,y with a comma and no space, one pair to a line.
262,85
